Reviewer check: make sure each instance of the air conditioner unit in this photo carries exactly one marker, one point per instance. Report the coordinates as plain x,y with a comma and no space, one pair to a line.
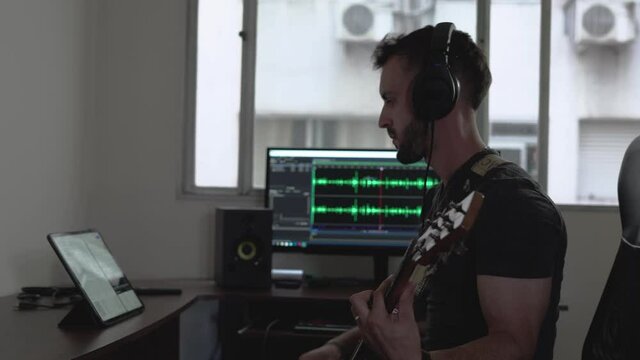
601,22
363,21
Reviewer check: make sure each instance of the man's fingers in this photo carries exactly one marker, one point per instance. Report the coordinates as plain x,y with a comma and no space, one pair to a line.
405,303
359,306
385,283
378,307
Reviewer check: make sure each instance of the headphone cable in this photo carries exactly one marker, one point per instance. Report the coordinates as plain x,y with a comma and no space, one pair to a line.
426,177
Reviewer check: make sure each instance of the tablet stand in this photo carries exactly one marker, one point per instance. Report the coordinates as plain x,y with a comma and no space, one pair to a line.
81,316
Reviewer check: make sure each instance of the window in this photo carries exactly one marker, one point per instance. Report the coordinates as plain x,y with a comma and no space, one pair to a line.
602,143
595,61
314,81
217,93
515,67
315,85
307,81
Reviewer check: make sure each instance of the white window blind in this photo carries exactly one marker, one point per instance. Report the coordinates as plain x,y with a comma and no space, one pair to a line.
602,146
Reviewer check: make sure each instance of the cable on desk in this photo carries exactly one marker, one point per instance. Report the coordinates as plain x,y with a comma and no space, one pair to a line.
30,301
266,338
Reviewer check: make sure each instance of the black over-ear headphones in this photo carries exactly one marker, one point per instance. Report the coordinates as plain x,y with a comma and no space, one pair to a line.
435,89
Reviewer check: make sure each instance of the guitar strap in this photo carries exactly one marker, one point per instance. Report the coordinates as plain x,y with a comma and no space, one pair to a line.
479,169
486,163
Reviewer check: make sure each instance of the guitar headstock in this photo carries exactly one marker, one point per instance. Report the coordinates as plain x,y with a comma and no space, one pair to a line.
447,228
444,231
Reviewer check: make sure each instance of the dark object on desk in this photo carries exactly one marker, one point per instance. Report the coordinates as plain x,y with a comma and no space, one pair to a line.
31,300
243,248
614,333
287,284
32,305
53,291
287,278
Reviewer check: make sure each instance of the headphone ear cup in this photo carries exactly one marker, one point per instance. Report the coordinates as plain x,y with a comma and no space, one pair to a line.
434,94
419,100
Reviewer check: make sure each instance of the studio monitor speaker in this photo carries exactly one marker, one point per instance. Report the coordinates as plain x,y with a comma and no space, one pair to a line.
243,247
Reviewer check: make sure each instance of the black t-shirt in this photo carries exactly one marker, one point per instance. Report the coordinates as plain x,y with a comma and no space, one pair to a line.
518,233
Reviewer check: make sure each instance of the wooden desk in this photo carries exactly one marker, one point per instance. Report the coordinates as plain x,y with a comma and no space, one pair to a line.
155,333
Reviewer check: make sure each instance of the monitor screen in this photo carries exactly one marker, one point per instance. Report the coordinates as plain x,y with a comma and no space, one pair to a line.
344,200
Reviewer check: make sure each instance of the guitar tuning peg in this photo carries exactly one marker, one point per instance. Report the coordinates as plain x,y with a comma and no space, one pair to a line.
459,208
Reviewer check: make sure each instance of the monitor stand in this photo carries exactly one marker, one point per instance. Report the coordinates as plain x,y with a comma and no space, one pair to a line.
380,268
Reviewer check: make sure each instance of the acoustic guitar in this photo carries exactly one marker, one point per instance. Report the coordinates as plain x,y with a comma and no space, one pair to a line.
444,235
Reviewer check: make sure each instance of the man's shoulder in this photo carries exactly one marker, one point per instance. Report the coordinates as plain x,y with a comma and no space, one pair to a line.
509,188
508,180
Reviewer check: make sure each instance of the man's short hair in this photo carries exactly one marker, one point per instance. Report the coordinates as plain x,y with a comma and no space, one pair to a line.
468,62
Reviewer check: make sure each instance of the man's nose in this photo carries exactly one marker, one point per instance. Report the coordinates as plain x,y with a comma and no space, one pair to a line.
384,121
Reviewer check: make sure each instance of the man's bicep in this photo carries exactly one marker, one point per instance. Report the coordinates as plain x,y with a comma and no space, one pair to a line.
515,307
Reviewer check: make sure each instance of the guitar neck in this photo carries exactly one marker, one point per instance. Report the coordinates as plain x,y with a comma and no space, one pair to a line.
445,231
400,281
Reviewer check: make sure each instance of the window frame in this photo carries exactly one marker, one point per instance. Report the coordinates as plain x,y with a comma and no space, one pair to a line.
245,189
247,95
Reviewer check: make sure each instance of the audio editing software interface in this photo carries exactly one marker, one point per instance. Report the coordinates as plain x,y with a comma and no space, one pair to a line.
344,198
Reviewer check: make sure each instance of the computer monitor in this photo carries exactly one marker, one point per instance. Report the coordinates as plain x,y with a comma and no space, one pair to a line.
344,201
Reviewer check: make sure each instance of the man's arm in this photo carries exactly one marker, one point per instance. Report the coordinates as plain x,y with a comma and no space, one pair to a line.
514,310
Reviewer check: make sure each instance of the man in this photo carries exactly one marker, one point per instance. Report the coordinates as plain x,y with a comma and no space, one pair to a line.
497,299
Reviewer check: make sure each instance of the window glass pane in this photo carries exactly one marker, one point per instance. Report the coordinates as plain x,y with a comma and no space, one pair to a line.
594,109
602,144
515,67
217,93
315,86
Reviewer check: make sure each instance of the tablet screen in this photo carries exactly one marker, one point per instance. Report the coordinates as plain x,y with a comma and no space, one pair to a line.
96,273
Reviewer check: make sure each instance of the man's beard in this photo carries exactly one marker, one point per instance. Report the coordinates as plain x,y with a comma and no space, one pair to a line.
413,145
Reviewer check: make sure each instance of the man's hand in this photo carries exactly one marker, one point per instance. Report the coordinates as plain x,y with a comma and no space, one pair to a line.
395,335
324,352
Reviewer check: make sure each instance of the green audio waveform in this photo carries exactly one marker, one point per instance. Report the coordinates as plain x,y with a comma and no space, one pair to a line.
367,210
368,181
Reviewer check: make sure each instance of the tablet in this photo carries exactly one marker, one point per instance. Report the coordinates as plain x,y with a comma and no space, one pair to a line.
96,274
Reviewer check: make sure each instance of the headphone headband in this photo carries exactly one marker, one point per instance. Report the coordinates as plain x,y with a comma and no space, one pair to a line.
440,42
435,88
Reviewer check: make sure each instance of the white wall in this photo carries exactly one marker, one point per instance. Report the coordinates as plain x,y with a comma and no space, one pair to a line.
594,237
42,122
136,142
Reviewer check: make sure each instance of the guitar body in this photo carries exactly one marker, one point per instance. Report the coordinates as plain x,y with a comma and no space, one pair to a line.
444,235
